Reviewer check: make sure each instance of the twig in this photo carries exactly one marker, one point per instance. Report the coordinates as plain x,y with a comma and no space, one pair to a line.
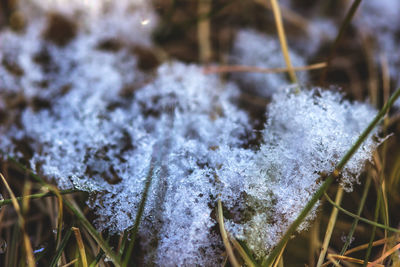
241,68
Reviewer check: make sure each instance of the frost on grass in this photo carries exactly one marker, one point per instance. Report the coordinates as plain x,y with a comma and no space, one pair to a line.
306,134
255,49
94,121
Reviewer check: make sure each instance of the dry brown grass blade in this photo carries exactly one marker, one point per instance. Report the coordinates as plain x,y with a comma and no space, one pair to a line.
70,263
241,251
203,30
81,246
241,68
331,226
21,221
384,256
350,259
224,235
279,258
364,246
282,39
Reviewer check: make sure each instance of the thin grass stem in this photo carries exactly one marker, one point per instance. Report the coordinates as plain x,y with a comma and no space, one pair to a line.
61,248
139,215
21,222
343,27
331,226
356,219
8,201
375,224
376,216
282,39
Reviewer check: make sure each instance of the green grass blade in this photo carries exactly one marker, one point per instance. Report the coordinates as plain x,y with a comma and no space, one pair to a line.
374,223
93,232
376,215
355,222
39,195
97,259
60,249
139,214
309,206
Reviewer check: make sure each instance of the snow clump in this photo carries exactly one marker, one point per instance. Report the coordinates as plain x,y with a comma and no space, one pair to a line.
306,135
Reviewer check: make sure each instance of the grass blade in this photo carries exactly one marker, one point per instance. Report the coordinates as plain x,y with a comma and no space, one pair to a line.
21,222
376,216
331,225
224,236
82,219
60,249
8,201
97,259
81,246
356,219
243,253
373,223
139,214
282,39
343,27
93,232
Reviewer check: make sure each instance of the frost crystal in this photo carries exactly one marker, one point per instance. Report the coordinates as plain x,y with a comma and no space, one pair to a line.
252,48
306,134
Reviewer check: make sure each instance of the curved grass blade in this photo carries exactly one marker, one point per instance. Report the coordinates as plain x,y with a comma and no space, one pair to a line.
82,219
375,224
60,249
21,221
8,201
224,235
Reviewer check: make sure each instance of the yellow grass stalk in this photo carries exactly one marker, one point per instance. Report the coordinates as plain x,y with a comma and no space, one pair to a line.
81,246
282,39
224,235
21,221
241,68
331,226
203,30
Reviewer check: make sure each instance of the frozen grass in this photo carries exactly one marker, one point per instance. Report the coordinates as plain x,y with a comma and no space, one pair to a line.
93,120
